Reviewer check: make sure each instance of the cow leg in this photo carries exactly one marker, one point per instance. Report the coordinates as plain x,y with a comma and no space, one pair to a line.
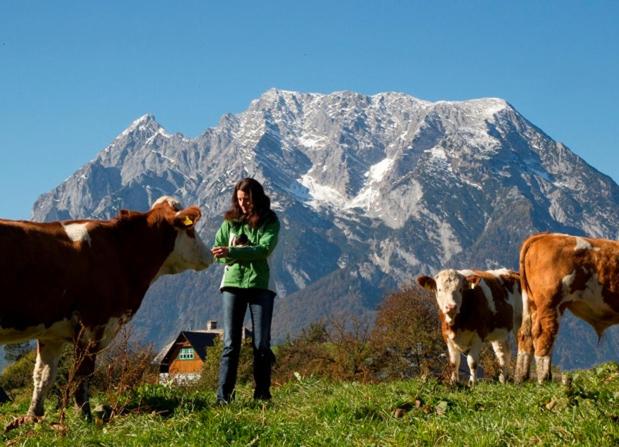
504,357
545,329
472,360
454,362
48,353
525,342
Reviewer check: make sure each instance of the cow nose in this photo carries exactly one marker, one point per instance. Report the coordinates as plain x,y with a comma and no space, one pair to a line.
449,308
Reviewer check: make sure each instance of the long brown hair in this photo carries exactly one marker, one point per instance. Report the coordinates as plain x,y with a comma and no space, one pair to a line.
261,204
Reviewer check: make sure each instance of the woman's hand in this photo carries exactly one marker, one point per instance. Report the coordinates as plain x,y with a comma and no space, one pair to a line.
220,252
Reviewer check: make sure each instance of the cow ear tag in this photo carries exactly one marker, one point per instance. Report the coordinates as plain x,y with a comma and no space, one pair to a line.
187,222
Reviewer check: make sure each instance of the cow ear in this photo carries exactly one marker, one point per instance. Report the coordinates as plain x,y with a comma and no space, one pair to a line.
427,282
187,217
473,281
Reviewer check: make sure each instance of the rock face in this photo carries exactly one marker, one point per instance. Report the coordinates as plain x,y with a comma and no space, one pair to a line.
371,191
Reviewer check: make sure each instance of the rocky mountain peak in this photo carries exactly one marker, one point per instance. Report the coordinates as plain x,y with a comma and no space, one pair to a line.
371,190
145,125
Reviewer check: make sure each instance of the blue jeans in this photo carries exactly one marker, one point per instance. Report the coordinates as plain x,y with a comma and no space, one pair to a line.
235,303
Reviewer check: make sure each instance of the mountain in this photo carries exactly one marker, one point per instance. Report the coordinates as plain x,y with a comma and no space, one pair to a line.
371,191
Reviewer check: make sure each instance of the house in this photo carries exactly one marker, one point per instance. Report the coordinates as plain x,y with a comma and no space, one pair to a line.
181,360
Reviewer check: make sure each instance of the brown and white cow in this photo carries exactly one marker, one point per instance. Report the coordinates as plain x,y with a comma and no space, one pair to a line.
79,281
476,307
559,272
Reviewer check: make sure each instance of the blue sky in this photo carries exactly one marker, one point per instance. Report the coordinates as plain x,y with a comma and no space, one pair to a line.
74,74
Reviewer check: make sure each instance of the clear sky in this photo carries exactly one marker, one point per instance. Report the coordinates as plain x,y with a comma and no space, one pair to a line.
74,74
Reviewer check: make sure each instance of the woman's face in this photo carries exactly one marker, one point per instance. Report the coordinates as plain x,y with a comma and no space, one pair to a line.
244,201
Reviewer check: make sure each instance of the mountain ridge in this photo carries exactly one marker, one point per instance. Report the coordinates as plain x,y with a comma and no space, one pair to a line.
371,190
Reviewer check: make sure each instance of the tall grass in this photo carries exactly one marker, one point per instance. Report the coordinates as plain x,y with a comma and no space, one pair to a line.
314,412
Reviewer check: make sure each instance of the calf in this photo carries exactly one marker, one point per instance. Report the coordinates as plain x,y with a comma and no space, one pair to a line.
476,307
79,281
564,272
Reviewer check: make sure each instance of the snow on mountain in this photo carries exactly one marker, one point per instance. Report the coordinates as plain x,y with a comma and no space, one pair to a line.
372,190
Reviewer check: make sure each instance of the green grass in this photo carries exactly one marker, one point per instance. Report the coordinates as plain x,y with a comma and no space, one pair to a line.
311,412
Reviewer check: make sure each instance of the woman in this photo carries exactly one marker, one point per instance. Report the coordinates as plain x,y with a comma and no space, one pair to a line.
245,240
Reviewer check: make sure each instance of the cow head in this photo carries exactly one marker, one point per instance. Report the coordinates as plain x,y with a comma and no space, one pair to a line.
448,287
189,251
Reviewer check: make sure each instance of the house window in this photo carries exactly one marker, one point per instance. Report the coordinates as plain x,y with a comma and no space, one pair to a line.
186,354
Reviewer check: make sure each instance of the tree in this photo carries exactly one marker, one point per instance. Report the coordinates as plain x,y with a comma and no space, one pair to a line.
406,340
306,355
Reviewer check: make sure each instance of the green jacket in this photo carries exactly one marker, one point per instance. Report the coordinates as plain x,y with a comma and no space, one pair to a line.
246,265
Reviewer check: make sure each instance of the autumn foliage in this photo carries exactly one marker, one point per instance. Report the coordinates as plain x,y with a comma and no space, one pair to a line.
404,341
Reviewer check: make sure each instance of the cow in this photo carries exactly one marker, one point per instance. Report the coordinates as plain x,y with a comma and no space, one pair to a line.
476,307
558,272
79,281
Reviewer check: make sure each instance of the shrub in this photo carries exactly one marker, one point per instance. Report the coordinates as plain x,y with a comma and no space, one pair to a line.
351,349
19,374
209,376
406,340
338,350
307,355
122,367
15,351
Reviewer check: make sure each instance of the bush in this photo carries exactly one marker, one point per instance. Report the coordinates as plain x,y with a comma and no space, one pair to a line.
307,355
406,340
19,374
209,377
15,351
338,350
351,350
122,367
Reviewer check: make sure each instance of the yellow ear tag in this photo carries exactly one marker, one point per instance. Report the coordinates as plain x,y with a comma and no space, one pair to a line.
187,221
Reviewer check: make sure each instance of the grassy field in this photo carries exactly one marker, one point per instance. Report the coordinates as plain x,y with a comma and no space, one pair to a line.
311,412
